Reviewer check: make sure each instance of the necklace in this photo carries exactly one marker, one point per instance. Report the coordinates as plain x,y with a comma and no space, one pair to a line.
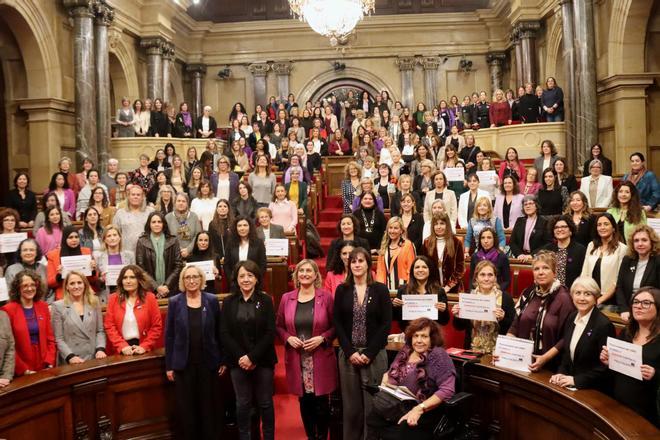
368,224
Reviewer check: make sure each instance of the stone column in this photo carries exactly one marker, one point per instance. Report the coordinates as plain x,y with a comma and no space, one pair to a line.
283,71
585,53
407,67
259,72
430,65
517,49
104,17
154,46
82,12
569,87
495,62
527,32
197,72
168,59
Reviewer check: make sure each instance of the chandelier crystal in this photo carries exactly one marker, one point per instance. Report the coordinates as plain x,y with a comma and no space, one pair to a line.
334,19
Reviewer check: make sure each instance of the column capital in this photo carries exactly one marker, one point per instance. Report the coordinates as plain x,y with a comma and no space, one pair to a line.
430,63
80,8
154,45
527,29
495,58
259,69
564,2
282,68
168,51
199,69
105,14
406,63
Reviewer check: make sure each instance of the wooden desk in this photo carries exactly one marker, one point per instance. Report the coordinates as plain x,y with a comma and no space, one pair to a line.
333,171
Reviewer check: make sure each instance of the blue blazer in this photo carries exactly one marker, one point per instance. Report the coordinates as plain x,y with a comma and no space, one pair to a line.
176,332
233,184
648,187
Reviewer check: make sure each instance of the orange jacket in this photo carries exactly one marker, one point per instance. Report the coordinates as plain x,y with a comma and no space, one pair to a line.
147,314
55,280
403,261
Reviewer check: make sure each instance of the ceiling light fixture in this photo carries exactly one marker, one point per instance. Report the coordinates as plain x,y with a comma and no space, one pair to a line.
334,19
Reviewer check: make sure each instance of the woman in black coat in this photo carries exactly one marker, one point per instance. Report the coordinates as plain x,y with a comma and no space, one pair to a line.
23,200
552,195
597,153
247,332
580,365
158,126
487,250
641,267
348,229
372,220
539,236
243,244
570,253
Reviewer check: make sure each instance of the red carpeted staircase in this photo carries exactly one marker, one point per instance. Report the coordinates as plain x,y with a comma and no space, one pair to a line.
327,226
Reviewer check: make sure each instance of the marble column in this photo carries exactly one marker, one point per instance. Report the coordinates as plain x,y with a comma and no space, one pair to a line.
197,72
585,53
569,86
430,65
527,31
283,71
154,47
495,62
259,72
82,12
407,67
517,50
168,59
104,17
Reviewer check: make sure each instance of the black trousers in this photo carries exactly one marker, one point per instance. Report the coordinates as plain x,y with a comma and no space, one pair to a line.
382,429
195,401
315,412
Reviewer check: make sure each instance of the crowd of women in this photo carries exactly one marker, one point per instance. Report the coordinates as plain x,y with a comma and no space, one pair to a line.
140,228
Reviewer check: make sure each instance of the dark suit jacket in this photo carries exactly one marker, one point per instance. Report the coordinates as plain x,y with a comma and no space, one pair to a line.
415,230
180,128
263,353
539,238
276,231
574,260
212,126
585,367
627,269
177,339
256,253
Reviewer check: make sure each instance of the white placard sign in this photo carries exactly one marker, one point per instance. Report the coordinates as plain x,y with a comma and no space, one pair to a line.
624,357
4,291
277,247
455,174
112,273
9,242
419,306
477,307
514,353
79,263
206,267
654,223
487,177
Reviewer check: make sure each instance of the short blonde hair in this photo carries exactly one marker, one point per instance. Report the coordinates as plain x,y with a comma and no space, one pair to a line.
315,268
588,284
428,163
89,297
547,257
266,210
200,272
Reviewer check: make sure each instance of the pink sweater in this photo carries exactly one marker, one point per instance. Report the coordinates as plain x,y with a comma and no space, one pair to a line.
47,242
285,214
333,280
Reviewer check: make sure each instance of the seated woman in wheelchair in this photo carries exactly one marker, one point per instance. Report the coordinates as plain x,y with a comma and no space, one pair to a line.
425,368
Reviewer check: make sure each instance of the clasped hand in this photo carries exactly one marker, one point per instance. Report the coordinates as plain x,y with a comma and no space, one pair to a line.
310,344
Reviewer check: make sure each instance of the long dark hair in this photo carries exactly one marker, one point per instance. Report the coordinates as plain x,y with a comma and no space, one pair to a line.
350,281
597,241
202,255
337,265
234,237
633,325
147,225
432,282
143,282
634,211
52,185
88,231
221,224
48,226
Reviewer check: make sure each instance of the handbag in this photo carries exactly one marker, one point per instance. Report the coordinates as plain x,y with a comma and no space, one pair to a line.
390,407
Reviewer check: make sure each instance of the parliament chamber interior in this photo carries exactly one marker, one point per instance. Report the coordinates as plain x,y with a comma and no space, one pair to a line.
329,219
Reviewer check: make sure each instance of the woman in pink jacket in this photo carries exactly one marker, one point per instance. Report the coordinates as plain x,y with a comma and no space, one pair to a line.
305,325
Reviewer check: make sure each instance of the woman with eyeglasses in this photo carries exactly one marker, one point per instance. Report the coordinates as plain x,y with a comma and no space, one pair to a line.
30,323
643,329
603,258
640,267
193,354
580,366
530,232
28,256
569,252
596,186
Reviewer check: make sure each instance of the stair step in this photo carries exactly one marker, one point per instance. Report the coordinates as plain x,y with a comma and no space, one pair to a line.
333,202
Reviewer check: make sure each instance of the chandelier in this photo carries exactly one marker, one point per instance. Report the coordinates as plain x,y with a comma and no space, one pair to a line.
334,19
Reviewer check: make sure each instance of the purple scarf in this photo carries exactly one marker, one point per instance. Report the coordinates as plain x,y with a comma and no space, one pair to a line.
491,255
430,360
187,119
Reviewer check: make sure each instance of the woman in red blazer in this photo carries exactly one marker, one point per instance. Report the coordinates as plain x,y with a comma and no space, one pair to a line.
70,246
305,325
132,319
30,323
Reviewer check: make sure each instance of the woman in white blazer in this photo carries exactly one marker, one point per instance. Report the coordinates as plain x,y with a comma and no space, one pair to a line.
604,189
603,258
78,322
448,196
473,194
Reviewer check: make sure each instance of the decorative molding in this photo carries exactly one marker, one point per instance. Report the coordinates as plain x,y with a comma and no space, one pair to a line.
496,58
282,68
154,45
430,63
406,63
114,37
199,69
80,8
105,15
168,51
259,69
527,29
627,81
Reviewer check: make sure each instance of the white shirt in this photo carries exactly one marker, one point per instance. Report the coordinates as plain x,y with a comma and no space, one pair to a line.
639,274
243,251
205,123
129,328
317,146
367,173
440,247
266,233
223,189
204,208
580,325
